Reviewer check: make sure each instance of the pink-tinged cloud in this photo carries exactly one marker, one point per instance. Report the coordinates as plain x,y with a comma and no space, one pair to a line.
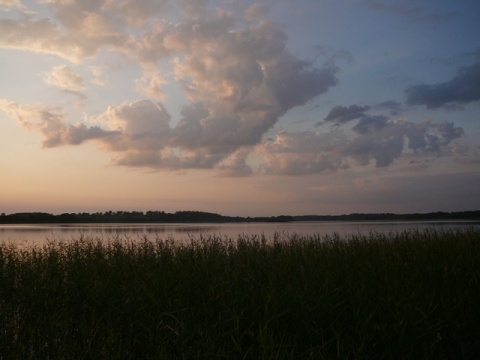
51,125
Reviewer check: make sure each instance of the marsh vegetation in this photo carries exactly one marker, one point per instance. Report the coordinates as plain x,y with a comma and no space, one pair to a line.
408,295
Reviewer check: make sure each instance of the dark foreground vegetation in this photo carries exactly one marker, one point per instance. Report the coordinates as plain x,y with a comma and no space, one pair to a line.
400,296
206,217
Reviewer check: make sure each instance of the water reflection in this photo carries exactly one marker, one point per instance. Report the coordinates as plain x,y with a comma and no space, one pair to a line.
40,233
108,228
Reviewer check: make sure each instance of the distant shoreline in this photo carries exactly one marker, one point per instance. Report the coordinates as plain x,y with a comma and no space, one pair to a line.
206,217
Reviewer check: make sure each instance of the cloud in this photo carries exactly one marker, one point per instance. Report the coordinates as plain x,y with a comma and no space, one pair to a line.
37,35
97,75
193,8
52,125
145,138
239,83
369,123
376,138
140,126
77,30
448,132
294,82
343,114
137,12
11,4
236,164
382,140
303,153
461,89
151,83
239,78
466,153
141,135
67,79
256,12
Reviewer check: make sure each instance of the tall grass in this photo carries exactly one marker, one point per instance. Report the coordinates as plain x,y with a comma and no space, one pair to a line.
410,295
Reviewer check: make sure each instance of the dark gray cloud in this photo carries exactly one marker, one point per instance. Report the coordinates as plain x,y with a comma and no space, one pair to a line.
343,114
294,81
463,88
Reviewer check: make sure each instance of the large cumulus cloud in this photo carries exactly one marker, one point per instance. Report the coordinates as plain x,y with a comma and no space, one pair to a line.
239,80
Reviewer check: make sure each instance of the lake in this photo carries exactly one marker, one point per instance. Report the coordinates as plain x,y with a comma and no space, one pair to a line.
39,233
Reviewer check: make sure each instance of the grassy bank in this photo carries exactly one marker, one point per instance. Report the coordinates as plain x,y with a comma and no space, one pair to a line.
398,296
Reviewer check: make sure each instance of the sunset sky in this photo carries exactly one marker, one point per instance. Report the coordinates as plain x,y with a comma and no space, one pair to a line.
240,107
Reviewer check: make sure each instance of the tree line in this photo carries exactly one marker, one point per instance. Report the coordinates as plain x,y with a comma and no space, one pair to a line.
132,217
206,217
439,215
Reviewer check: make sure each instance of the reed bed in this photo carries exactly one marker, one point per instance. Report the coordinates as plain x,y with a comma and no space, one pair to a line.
409,295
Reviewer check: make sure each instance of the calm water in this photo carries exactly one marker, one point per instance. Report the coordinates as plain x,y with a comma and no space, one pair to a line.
37,234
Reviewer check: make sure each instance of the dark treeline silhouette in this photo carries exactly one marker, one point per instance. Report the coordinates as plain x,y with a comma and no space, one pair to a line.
206,217
132,217
459,215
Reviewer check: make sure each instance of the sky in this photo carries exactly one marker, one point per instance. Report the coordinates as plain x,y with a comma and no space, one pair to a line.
239,107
